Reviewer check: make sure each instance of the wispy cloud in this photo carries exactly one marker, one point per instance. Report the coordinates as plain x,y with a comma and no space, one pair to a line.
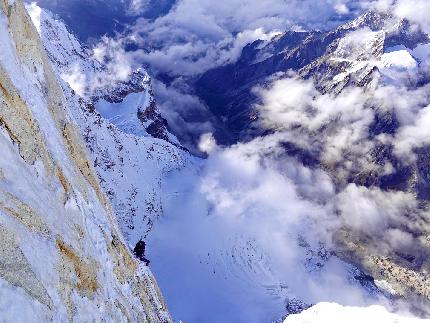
197,35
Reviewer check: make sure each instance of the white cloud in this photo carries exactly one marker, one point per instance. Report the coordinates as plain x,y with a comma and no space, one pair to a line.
207,143
76,79
243,213
335,313
416,11
337,125
248,212
372,211
413,10
118,64
137,7
198,35
341,8
414,135
326,123
107,65
186,115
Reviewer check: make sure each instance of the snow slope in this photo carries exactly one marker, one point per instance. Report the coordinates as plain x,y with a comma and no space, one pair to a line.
62,256
238,244
131,169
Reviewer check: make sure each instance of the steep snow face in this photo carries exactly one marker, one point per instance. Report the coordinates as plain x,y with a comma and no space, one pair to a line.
334,313
62,256
119,120
72,60
131,169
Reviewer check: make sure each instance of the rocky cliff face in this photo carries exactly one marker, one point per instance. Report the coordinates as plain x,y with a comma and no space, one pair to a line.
63,256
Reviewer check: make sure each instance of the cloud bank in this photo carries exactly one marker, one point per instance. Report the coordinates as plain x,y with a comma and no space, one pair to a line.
251,231
265,222
198,35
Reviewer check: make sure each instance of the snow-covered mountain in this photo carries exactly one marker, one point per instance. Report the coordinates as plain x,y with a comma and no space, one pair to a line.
62,256
334,313
338,101
215,262
333,59
122,96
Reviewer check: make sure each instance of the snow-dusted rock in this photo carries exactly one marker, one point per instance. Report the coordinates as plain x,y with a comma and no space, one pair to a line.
62,255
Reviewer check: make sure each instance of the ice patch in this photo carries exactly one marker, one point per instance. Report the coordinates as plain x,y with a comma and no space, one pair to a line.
386,286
